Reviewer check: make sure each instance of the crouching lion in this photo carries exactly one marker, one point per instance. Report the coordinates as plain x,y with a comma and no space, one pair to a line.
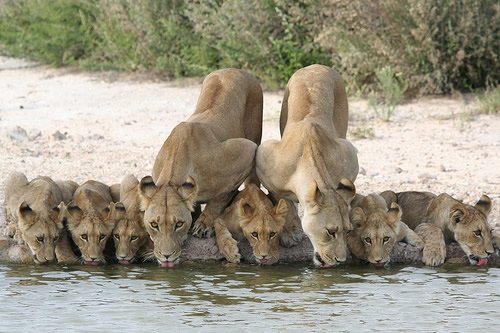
442,219
377,229
91,217
252,216
313,163
131,240
203,160
34,216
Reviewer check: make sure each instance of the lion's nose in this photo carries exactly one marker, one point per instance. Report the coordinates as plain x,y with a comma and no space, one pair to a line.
93,258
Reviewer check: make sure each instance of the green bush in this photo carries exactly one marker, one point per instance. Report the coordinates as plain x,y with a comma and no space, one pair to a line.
389,95
489,103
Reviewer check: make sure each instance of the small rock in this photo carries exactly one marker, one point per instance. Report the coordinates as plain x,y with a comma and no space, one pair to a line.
426,176
96,137
362,171
18,134
34,134
398,170
58,136
442,168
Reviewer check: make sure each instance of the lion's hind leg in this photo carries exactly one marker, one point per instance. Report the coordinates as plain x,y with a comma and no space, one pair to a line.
434,252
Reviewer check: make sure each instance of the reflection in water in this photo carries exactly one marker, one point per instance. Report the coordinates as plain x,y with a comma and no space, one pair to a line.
209,297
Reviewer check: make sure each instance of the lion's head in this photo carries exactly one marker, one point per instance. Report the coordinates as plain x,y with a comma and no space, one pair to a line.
375,230
91,219
471,229
167,216
326,222
261,223
39,218
40,230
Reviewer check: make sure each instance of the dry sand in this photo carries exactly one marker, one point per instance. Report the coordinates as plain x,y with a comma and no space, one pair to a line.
71,125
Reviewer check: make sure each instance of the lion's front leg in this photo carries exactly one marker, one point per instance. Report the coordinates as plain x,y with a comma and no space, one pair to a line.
410,236
228,246
292,232
64,253
434,252
204,225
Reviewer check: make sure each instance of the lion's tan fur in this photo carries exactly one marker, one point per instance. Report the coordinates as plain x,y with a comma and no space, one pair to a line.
131,240
33,213
377,229
251,215
204,159
314,164
91,217
442,219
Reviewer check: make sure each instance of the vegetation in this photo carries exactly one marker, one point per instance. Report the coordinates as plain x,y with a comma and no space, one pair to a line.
437,47
489,103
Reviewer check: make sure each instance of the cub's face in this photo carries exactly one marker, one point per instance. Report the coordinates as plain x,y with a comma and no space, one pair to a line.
90,230
129,236
40,231
262,228
471,229
377,232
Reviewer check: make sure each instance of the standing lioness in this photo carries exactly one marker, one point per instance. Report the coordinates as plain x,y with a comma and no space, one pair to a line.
313,163
204,159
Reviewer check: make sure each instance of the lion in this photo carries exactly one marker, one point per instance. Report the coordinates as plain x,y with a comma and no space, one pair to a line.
377,229
204,160
34,216
313,163
91,217
131,240
441,219
251,215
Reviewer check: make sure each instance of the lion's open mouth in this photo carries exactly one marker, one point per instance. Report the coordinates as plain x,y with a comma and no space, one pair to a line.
93,262
474,260
124,262
168,264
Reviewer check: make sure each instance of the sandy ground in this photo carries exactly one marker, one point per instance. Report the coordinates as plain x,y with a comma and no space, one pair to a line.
79,126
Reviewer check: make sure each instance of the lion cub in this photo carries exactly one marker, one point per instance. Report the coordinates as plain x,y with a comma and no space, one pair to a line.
91,217
252,216
441,219
33,213
377,229
132,242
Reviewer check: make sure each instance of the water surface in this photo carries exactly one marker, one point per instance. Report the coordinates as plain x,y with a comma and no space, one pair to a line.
216,297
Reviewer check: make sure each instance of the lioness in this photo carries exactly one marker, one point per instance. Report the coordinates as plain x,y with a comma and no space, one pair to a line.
377,229
204,159
131,240
441,219
33,214
251,215
313,163
91,217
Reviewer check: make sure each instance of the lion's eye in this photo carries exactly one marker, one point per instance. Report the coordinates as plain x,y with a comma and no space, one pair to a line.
272,234
154,225
56,239
40,239
116,236
368,240
179,224
255,235
84,237
477,233
331,232
101,237
133,238
386,239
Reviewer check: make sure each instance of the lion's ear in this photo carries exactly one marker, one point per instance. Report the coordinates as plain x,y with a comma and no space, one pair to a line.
73,213
389,197
484,205
59,210
314,196
188,190
25,210
147,187
346,189
245,209
281,209
457,213
357,216
116,211
394,213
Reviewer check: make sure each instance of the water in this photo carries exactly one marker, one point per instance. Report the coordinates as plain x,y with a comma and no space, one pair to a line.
220,298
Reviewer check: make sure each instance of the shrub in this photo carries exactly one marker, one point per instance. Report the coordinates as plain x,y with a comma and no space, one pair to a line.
489,103
390,93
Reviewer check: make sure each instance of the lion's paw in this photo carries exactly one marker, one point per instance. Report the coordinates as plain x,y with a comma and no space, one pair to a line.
433,256
203,227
